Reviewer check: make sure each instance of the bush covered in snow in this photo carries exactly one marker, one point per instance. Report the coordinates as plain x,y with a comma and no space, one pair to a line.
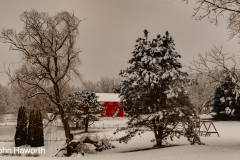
86,144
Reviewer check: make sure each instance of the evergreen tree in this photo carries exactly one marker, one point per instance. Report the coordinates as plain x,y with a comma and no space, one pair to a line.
84,106
21,129
127,109
39,136
31,128
225,101
154,90
35,129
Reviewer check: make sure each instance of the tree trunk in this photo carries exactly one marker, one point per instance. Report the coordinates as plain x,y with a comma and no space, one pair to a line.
86,124
66,129
77,125
158,132
159,136
67,135
65,123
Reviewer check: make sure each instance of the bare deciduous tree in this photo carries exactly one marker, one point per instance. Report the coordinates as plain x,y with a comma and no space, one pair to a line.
200,92
213,63
3,104
106,84
91,86
215,9
49,57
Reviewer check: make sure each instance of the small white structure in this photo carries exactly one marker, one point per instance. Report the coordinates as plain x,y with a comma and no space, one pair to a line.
108,97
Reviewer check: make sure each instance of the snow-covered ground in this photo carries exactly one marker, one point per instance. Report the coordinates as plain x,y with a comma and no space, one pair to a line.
227,146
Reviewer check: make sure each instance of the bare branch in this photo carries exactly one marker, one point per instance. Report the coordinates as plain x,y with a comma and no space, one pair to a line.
215,9
215,63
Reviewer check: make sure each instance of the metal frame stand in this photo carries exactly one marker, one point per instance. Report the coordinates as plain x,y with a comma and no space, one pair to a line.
207,132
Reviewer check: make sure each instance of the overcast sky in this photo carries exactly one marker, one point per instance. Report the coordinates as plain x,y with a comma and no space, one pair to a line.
108,34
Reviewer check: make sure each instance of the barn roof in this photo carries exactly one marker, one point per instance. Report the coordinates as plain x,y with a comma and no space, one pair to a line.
108,97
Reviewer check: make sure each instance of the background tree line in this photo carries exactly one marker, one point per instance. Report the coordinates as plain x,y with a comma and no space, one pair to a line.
11,97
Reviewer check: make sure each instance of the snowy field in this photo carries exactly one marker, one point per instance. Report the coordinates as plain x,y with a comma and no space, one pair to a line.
227,146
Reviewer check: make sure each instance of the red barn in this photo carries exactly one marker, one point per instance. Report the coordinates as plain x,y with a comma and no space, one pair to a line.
110,101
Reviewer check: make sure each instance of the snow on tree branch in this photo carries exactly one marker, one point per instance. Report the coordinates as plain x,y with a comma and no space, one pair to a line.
153,90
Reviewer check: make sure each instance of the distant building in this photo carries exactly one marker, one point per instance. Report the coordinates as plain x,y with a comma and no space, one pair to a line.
111,102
